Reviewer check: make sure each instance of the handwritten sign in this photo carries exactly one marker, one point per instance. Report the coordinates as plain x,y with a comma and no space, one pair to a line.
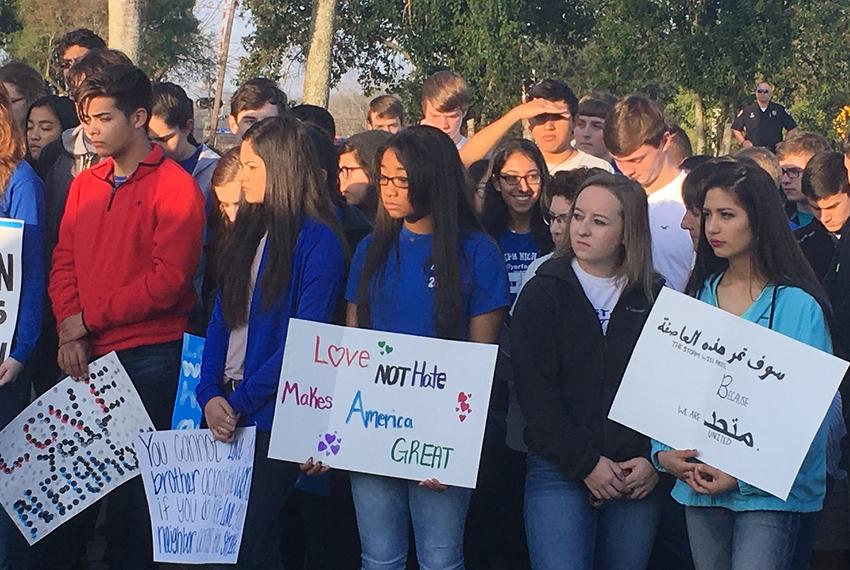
187,412
11,243
748,398
70,448
383,403
197,491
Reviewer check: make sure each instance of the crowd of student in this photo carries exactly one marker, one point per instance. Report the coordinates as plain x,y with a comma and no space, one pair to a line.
555,248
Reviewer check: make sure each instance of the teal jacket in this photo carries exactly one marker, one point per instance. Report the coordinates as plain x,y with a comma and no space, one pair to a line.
797,315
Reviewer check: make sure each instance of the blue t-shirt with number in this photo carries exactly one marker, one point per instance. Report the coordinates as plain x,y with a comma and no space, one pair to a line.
402,296
519,250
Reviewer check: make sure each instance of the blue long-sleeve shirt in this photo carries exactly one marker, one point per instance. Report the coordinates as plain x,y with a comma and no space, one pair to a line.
24,200
797,315
318,268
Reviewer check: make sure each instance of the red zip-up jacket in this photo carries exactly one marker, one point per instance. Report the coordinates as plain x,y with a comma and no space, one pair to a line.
126,256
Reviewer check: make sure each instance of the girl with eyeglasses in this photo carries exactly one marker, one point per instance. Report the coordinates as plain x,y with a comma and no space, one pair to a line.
512,213
589,486
357,171
429,270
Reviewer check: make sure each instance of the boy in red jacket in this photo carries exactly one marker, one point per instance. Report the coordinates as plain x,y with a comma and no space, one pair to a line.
121,280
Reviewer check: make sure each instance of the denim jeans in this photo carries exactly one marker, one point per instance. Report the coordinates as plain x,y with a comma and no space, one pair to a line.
271,485
722,539
154,370
566,531
385,506
14,551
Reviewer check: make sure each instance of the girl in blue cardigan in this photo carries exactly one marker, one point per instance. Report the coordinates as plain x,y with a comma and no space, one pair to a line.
22,199
285,259
749,264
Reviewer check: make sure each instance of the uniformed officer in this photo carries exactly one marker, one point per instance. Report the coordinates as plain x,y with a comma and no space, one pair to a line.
761,123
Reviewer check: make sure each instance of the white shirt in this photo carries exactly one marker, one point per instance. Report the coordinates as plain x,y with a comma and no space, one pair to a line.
237,343
462,141
578,160
602,292
529,273
672,248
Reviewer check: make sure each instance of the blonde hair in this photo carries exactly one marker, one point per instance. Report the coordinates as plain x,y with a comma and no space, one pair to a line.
446,91
636,253
12,145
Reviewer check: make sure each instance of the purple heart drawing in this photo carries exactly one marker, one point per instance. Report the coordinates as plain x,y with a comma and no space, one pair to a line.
329,444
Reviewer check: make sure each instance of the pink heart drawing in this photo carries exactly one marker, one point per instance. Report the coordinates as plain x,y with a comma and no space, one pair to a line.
462,417
463,408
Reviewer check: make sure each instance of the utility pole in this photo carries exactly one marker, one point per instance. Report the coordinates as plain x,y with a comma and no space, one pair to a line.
224,49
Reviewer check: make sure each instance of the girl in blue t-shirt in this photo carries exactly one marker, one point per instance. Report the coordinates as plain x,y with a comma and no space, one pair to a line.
749,264
427,270
512,213
284,259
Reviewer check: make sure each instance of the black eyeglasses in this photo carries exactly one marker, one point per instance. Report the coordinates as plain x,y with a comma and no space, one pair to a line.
397,181
532,179
793,172
549,217
346,171
762,91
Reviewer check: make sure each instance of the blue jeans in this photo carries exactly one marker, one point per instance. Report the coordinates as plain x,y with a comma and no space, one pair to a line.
14,550
154,370
565,531
722,539
385,506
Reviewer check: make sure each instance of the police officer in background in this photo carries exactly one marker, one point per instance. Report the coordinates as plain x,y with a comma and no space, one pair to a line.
761,123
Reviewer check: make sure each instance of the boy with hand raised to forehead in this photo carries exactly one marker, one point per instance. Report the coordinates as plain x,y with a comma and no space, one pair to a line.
129,245
636,136
550,113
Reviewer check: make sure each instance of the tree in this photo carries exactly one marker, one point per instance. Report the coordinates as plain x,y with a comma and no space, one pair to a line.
173,42
125,27
317,76
8,21
497,45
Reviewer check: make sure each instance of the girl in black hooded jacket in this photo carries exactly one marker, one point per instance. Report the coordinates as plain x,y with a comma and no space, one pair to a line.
589,500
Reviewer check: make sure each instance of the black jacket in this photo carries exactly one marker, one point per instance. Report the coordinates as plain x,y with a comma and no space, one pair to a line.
837,285
818,245
567,372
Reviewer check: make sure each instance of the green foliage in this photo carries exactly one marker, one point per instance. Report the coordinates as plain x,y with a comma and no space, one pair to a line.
171,40
8,21
497,45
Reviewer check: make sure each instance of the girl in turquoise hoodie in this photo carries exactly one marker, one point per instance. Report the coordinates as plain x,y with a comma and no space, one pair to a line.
748,264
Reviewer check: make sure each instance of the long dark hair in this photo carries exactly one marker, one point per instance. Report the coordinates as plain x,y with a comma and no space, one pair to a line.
436,188
496,215
294,190
776,257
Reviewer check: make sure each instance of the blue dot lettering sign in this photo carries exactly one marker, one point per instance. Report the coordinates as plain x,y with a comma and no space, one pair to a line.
70,448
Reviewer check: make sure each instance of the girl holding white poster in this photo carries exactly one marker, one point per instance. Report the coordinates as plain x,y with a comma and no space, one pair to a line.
22,199
428,270
589,488
285,259
749,264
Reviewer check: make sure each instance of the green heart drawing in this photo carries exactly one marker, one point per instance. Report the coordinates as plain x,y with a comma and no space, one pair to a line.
385,348
389,349
381,344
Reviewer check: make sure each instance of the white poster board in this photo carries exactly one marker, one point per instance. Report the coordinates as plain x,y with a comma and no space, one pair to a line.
383,403
197,491
70,448
749,399
11,271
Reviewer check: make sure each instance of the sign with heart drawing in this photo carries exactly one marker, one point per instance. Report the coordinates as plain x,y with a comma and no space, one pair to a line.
383,403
